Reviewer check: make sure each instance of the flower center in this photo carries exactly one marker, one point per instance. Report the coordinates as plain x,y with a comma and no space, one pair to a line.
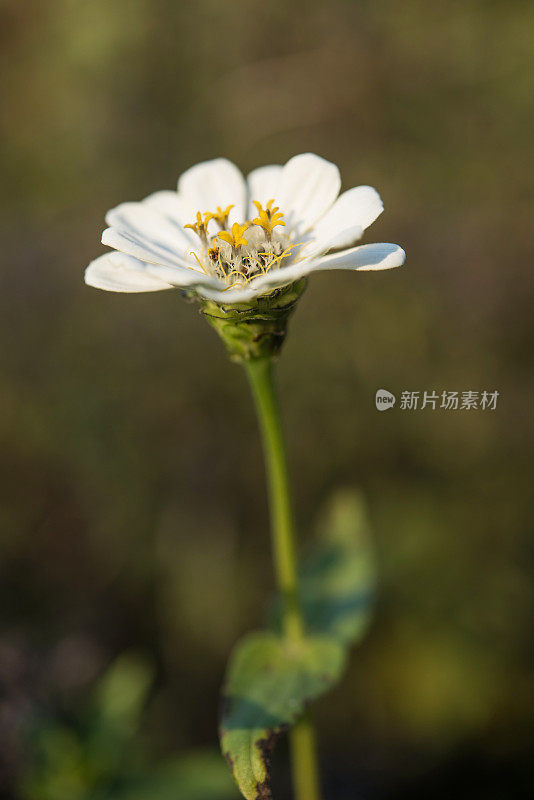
238,254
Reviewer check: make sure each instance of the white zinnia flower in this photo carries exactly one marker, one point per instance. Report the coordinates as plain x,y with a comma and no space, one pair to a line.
231,240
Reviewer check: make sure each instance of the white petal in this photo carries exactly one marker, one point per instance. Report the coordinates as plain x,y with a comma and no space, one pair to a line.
331,240
116,272
356,207
142,248
211,184
308,187
344,223
263,184
112,268
360,206
230,296
171,206
365,257
147,223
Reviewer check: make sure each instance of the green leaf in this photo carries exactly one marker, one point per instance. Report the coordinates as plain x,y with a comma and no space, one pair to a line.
81,760
200,775
337,577
123,691
119,700
269,684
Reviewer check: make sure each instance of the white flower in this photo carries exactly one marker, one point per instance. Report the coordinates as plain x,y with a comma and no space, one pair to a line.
230,240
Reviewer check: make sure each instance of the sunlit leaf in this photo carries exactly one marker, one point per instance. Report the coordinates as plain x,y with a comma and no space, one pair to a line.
269,684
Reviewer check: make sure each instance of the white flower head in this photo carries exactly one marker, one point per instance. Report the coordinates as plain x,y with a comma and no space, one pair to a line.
230,240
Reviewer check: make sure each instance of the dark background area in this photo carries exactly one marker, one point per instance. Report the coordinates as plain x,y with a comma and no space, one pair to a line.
134,517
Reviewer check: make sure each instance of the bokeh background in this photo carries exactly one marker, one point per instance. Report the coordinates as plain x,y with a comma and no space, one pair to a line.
134,547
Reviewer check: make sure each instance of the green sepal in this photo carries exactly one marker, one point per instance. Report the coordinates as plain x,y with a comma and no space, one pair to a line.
256,329
269,684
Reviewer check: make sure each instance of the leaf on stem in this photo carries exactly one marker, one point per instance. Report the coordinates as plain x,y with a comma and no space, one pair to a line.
269,684
337,579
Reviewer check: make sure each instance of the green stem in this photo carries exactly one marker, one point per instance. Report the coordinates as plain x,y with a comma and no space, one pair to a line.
303,741
302,735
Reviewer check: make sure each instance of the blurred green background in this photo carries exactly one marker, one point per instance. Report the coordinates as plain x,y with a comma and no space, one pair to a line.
134,517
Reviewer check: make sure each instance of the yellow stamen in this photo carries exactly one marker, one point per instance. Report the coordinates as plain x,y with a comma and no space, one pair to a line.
213,253
237,284
259,265
238,273
235,238
278,259
199,262
201,225
268,217
301,245
222,214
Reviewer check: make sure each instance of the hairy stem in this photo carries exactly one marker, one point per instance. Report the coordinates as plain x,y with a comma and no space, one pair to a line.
302,736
